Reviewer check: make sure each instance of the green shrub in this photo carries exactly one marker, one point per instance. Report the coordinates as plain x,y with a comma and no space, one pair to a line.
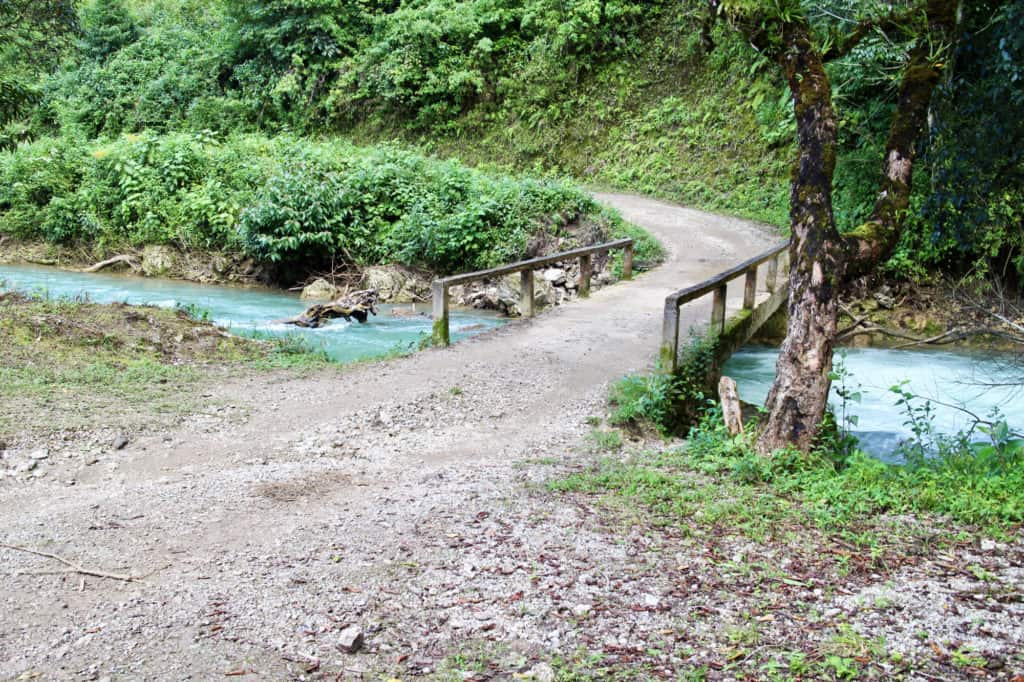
284,200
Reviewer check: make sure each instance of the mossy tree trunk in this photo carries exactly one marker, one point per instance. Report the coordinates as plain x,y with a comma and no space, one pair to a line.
797,400
822,260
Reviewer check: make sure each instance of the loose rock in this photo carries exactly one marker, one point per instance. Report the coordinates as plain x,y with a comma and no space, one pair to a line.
351,639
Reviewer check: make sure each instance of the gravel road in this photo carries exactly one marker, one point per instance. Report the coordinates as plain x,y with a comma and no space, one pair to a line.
391,496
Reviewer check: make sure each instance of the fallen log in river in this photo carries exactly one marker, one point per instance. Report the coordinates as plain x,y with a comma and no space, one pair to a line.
358,305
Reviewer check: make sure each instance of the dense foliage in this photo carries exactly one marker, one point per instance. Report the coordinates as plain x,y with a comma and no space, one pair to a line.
616,92
281,199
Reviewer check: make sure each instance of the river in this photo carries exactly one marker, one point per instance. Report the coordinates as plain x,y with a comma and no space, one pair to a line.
953,377
251,311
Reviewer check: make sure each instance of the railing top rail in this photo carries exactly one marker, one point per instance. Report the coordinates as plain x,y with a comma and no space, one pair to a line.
707,286
533,263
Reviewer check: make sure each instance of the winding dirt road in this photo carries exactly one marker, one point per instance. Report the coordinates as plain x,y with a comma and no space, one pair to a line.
342,500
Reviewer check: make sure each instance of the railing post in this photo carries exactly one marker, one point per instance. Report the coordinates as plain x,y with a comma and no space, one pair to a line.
584,286
718,310
669,354
773,273
627,261
439,296
526,293
750,289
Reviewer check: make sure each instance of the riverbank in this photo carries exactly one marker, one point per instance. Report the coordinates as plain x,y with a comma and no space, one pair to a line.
899,314
79,378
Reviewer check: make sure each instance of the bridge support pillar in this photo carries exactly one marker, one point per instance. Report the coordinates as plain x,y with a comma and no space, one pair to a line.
773,274
526,293
750,289
584,276
718,310
439,296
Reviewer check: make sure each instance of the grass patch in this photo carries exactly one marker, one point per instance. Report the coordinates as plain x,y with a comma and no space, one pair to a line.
716,480
68,364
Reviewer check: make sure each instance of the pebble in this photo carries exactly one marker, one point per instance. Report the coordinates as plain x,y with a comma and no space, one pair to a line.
120,442
542,672
351,639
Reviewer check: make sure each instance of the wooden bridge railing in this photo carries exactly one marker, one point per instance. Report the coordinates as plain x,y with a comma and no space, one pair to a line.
718,285
439,288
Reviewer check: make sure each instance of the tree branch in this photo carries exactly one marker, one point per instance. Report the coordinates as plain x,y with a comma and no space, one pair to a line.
874,241
75,568
892,22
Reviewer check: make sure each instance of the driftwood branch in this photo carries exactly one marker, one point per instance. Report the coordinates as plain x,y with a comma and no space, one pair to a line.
358,305
75,568
126,259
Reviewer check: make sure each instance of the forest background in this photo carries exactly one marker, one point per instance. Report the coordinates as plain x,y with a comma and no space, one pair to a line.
233,125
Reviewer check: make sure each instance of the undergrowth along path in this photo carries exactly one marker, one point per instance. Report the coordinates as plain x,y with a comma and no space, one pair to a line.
260,535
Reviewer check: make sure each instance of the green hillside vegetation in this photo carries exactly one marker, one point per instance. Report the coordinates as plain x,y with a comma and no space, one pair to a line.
609,92
287,200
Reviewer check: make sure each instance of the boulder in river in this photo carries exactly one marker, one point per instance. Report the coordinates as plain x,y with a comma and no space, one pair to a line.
158,261
320,290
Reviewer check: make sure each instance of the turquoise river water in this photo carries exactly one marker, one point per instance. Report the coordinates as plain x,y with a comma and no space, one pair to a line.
249,311
950,377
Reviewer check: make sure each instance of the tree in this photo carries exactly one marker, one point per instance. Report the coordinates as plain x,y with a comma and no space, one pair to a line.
32,35
821,259
106,28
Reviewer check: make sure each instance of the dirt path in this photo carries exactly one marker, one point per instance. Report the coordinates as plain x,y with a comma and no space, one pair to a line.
350,498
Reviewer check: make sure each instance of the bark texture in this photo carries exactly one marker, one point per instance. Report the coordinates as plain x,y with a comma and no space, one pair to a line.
797,400
875,240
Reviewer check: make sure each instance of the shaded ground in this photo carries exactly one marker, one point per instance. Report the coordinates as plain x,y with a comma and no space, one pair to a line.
409,498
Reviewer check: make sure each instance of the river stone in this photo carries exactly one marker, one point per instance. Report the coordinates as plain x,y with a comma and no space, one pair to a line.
543,293
320,290
554,276
387,280
414,289
158,260
501,295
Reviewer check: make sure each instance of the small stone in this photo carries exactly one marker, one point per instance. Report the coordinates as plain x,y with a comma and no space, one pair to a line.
651,601
25,467
120,442
988,545
884,300
581,610
89,460
351,639
554,275
542,672
39,454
